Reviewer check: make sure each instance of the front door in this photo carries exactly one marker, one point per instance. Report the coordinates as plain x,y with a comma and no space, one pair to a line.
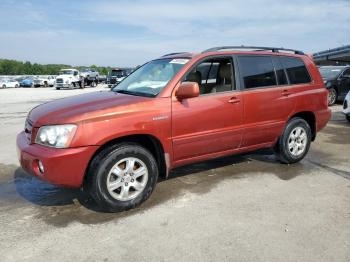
211,122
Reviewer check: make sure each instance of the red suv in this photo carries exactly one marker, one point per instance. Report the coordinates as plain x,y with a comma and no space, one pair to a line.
176,110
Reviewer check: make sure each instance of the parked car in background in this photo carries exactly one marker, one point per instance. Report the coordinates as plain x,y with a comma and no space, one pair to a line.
175,110
44,81
116,76
27,82
90,74
4,83
102,78
346,106
337,81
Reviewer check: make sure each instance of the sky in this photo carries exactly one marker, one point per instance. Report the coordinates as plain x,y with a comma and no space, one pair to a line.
129,33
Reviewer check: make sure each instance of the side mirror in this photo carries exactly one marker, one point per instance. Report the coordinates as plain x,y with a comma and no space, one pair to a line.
187,90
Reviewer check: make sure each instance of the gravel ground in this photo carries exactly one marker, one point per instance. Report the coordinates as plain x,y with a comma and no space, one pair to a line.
240,208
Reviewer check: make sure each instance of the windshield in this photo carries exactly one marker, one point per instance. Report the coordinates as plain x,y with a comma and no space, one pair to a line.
151,78
66,72
330,72
117,73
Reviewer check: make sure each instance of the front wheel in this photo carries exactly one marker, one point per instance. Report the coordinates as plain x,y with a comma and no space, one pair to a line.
332,96
16,86
295,141
3,86
122,177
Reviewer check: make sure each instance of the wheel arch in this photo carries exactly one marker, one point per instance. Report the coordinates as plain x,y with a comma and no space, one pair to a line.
147,141
310,118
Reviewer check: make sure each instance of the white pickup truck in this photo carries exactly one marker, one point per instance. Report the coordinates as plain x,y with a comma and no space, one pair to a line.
72,78
44,81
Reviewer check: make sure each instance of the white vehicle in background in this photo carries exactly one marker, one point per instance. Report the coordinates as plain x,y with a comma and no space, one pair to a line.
69,78
346,106
72,78
44,81
4,83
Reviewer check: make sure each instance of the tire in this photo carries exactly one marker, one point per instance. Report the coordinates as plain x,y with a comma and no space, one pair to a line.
58,88
332,96
291,147
3,86
347,117
16,86
45,84
93,84
99,176
82,84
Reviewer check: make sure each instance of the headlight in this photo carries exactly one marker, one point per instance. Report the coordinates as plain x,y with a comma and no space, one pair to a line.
58,136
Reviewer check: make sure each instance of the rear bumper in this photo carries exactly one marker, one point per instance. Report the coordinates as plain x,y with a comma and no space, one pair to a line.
64,167
322,118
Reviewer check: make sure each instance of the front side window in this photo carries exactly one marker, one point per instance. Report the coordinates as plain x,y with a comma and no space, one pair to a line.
213,75
257,71
150,79
296,70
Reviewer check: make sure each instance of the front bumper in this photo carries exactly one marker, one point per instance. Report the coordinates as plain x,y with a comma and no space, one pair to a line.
62,85
64,167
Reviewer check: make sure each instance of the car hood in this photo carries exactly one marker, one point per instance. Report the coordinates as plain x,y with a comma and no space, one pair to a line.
87,107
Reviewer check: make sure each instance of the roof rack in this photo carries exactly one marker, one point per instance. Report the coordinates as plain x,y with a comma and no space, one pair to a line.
255,48
177,53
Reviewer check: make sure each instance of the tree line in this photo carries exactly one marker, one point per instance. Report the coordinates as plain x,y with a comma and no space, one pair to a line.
14,67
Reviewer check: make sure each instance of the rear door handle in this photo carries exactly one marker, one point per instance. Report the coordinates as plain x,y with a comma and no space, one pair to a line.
286,92
234,100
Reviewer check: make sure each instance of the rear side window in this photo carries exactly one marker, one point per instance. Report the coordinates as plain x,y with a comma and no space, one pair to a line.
296,70
257,71
281,75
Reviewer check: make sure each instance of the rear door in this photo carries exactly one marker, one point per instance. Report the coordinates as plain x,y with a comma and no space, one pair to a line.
268,100
212,122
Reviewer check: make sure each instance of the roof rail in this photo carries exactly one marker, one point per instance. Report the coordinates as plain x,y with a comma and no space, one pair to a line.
177,53
255,48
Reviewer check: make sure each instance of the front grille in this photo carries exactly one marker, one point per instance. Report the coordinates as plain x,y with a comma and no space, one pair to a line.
59,80
28,128
345,106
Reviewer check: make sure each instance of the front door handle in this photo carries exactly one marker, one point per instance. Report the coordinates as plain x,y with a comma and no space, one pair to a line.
286,92
234,100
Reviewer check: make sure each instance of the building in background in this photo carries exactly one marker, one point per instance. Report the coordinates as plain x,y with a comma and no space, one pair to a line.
335,56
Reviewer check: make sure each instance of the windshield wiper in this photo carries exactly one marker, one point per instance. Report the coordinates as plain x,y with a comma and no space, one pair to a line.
134,93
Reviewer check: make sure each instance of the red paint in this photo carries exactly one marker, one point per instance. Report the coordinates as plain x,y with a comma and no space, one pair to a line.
189,130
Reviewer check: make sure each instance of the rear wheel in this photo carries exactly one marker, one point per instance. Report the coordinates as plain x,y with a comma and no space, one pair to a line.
347,117
3,86
332,96
16,86
122,177
295,141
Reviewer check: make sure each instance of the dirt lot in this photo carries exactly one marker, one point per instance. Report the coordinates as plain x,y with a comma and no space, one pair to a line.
241,208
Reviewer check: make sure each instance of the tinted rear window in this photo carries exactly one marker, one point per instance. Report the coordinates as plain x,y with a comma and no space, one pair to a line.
257,71
280,72
296,70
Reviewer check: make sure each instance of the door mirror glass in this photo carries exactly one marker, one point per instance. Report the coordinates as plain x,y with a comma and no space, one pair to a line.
187,90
